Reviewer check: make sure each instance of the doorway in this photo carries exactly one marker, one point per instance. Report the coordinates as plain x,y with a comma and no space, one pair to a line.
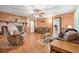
32,26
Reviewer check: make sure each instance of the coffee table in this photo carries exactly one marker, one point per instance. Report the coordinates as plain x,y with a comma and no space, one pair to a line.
64,46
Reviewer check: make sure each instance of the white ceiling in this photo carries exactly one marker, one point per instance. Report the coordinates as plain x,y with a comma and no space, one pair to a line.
27,10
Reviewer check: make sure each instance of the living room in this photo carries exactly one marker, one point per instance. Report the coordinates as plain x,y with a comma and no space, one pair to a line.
36,28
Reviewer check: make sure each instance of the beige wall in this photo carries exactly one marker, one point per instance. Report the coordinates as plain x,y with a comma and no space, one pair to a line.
44,23
66,19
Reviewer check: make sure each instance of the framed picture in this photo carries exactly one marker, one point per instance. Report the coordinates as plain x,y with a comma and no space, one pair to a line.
56,26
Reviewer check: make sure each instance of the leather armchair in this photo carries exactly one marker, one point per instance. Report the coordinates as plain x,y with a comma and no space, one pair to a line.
14,40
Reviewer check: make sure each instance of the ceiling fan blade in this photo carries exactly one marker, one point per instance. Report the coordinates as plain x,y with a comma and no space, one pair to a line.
42,13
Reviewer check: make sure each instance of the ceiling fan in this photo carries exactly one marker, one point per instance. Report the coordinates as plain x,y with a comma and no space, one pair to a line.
38,12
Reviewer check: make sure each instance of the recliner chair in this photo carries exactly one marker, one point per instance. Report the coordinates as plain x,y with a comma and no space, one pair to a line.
14,40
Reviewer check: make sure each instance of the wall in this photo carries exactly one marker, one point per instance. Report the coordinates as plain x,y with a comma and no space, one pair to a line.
46,22
11,17
41,23
66,19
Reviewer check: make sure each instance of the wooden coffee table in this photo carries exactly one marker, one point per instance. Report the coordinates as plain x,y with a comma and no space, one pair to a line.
64,47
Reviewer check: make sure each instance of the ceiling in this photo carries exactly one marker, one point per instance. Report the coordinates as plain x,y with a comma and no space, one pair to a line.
27,10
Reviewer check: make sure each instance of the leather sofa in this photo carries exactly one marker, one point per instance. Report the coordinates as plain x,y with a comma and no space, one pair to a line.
70,35
42,30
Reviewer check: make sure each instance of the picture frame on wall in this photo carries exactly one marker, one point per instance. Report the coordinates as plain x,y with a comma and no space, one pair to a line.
56,27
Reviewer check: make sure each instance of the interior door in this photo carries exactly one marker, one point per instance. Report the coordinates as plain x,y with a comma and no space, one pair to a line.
56,27
32,26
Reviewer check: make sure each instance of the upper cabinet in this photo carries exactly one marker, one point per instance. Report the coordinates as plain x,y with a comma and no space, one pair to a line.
76,18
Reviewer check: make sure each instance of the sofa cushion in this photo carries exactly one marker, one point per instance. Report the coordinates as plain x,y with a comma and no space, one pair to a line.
70,35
